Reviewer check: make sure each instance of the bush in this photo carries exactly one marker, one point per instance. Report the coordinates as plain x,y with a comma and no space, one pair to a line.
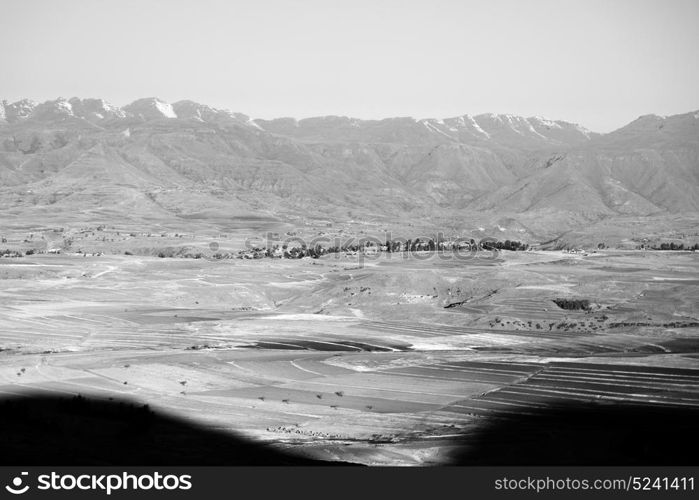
573,304
10,253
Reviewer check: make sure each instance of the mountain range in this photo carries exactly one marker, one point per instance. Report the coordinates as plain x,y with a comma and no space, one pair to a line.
155,163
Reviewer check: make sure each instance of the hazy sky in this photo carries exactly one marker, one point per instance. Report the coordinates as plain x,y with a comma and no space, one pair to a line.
600,63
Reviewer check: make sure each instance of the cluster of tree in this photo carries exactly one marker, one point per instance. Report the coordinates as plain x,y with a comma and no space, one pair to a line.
195,255
672,324
676,246
172,252
395,246
573,304
277,252
511,245
16,253
11,253
287,251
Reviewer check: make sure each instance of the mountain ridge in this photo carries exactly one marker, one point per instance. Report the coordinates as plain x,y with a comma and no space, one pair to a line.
155,108
543,177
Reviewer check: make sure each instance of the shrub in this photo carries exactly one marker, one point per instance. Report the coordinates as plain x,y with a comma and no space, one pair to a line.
573,304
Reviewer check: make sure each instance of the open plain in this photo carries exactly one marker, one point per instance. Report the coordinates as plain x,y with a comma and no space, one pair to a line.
386,359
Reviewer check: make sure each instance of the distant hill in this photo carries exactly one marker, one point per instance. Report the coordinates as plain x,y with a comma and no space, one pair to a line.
533,178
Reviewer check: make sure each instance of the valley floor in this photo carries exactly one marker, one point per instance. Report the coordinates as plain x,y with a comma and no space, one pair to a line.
387,361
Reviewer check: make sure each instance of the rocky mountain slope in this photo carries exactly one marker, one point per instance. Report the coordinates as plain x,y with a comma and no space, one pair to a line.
154,162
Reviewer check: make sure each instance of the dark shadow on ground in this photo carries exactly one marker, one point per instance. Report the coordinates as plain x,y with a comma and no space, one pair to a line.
588,434
59,430
54,430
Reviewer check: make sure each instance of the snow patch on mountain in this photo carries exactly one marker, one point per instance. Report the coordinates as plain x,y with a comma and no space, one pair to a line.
254,124
53,110
545,122
432,128
531,128
582,130
95,109
62,106
19,110
165,109
476,126
151,108
513,124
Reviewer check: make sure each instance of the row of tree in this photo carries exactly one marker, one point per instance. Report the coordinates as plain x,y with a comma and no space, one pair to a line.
676,246
411,245
506,245
16,253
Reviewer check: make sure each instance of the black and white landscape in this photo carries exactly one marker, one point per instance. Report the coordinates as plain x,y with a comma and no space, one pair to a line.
186,284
